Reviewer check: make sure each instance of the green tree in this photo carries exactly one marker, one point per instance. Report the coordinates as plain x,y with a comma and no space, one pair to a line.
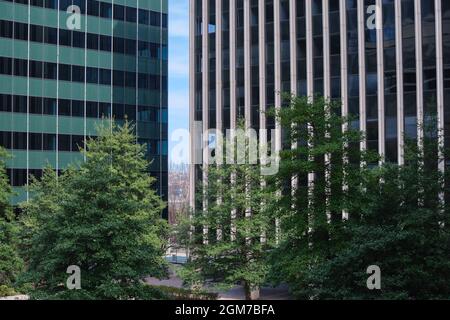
103,217
231,238
322,156
10,262
395,216
404,229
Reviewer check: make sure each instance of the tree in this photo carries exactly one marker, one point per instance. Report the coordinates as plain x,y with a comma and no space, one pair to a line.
103,217
232,231
394,217
321,175
404,230
10,262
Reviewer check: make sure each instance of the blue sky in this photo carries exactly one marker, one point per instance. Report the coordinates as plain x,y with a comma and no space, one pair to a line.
178,67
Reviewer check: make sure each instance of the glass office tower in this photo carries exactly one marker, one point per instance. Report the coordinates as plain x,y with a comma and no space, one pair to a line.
67,65
392,72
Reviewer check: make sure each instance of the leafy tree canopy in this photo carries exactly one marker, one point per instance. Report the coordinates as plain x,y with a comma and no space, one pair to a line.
103,217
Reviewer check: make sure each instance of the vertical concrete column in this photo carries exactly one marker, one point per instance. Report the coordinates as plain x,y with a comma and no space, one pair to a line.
277,59
28,101
85,75
344,78
57,90
400,90
440,81
344,57
380,79
362,70
262,63
112,64
192,176
327,93
326,48
309,52
293,44
262,85
247,90
310,91
219,67
247,65
293,57
219,92
419,71
205,107
233,103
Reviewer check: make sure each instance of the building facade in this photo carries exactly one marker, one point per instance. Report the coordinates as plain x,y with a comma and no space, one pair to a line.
67,65
387,61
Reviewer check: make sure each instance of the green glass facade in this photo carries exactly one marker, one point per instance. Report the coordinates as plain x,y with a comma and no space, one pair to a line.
59,79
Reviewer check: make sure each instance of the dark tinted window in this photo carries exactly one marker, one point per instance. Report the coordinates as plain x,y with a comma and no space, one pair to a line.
64,72
78,39
5,65
77,143
20,31
104,110
50,35
20,104
77,108
37,33
5,103
131,14
105,43
105,76
49,106
36,105
92,75
35,142
20,67
20,140
92,109
105,10
119,12
64,107
65,37
5,140
6,29
78,73
92,41
49,142
93,8
36,69
50,70
64,143
144,16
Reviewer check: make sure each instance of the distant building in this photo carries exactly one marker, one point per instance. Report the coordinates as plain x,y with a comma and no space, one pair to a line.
178,192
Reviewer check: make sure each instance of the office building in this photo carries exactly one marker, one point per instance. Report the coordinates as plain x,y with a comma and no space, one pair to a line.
387,61
67,65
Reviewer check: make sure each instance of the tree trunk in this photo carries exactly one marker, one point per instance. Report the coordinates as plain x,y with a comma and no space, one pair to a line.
251,292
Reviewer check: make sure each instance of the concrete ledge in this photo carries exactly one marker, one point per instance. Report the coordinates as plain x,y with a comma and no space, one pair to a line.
15,298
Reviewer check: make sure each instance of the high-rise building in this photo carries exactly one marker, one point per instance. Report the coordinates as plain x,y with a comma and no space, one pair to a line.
387,61
67,65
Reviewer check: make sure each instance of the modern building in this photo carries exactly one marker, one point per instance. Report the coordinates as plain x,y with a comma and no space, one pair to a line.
66,65
387,61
